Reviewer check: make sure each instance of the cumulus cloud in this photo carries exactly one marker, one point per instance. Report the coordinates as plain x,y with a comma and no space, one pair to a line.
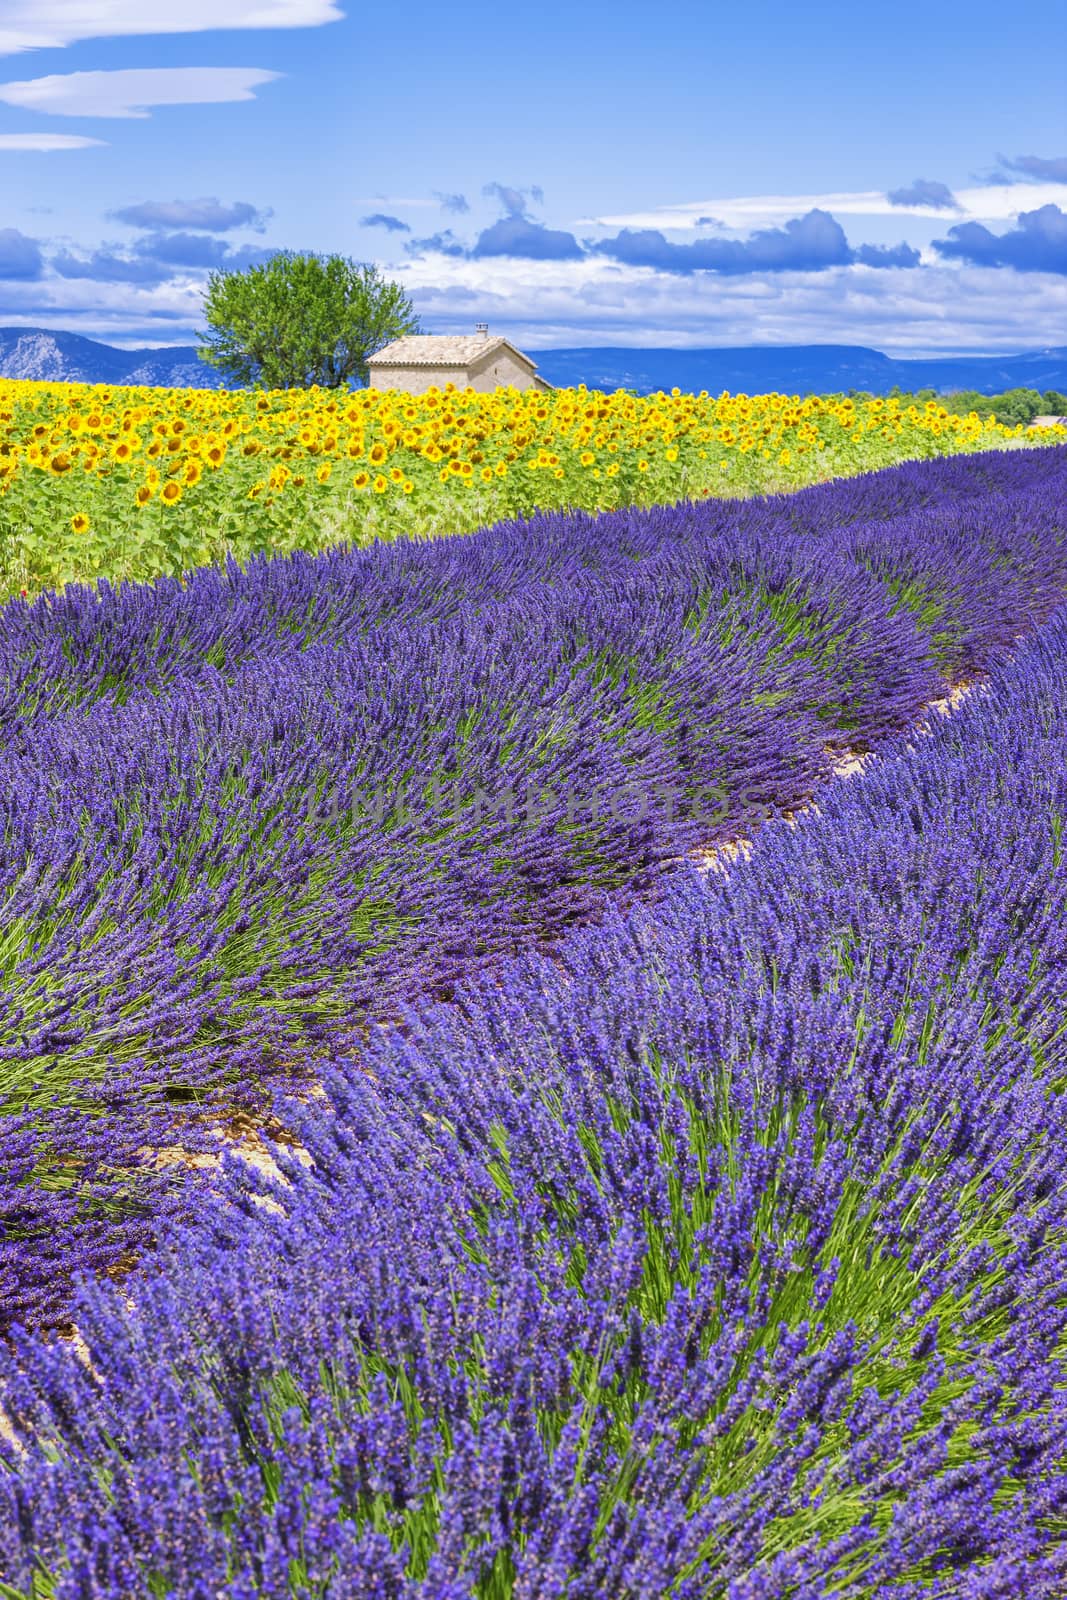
197,251
885,255
1052,169
456,203
444,243
48,24
213,215
157,258
107,266
20,256
133,91
949,308
379,219
46,141
112,310
515,235
512,200
925,192
809,243
998,201
1038,243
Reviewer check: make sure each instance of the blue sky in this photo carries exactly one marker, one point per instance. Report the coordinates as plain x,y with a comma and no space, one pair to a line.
685,174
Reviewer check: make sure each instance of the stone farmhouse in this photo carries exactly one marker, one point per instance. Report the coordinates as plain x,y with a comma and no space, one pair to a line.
470,361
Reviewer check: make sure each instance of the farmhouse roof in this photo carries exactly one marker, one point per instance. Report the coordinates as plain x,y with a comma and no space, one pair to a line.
443,350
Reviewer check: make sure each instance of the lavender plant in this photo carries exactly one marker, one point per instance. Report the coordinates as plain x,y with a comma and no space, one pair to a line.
243,819
720,1253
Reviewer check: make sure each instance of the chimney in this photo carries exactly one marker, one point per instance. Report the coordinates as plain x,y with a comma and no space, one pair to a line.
482,329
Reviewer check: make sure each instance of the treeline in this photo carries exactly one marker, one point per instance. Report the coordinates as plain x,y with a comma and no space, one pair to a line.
1011,407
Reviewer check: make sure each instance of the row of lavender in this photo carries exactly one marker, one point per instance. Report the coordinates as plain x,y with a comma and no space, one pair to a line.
104,644
242,819
723,1253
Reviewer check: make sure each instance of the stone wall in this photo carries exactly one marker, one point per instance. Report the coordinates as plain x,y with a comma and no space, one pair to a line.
498,369
416,380
490,372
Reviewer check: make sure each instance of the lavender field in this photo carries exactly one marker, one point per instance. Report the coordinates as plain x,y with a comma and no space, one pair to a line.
635,1229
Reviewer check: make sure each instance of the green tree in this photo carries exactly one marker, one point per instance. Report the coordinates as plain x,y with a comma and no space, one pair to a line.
299,320
1017,405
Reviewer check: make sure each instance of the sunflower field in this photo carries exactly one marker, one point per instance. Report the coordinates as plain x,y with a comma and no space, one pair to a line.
136,483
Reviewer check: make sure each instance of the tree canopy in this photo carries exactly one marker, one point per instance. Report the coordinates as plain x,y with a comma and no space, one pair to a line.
302,319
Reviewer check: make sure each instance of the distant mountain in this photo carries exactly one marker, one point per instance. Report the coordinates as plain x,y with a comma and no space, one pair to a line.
797,369
746,369
55,357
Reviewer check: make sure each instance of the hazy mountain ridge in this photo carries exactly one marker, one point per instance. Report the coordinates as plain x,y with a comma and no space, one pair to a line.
54,356
44,354
801,369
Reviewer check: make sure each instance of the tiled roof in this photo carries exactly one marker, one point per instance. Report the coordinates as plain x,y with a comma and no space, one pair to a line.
441,350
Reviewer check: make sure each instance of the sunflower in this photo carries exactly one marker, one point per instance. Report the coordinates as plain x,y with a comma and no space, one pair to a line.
380,484
361,480
193,473
79,522
144,494
172,493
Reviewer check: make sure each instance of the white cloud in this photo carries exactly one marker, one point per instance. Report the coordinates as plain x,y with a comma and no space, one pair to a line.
398,200
130,92
935,310
45,24
925,310
994,203
46,141
111,311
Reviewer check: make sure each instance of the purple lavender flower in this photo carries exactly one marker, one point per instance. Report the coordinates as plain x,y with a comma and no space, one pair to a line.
719,1251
